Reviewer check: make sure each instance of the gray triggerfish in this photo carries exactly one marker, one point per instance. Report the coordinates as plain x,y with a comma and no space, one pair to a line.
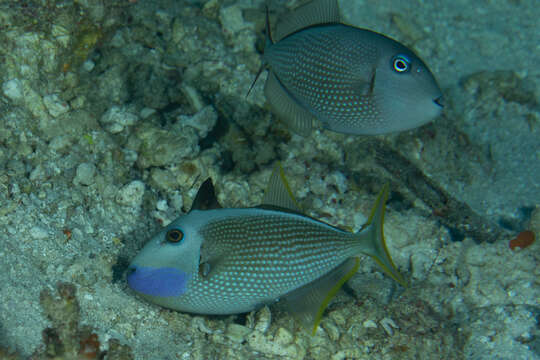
217,260
351,80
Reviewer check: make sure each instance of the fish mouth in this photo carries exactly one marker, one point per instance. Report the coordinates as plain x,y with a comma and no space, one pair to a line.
439,101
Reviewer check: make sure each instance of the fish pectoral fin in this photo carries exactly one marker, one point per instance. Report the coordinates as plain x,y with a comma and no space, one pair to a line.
207,267
286,107
372,81
365,87
313,13
278,193
308,302
204,269
211,258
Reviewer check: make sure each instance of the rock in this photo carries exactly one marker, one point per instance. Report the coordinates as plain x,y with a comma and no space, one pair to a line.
38,173
13,89
117,118
88,65
38,233
237,333
283,337
203,121
60,142
55,106
263,318
258,342
85,174
146,112
165,147
131,194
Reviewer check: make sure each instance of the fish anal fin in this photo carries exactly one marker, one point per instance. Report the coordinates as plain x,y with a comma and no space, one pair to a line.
278,193
206,197
313,13
298,118
308,302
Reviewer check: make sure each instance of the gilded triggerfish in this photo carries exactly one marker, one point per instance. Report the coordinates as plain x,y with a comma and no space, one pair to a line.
228,261
352,80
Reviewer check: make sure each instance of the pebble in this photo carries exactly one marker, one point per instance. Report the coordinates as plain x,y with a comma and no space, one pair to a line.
237,333
13,89
388,325
331,329
55,106
38,173
258,342
232,20
203,121
369,324
161,205
60,142
38,233
131,194
85,174
263,318
117,118
177,201
283,337
147,112
163,147
88,65
193,97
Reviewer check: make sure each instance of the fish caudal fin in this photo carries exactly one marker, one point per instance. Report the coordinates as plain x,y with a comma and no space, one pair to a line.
372,238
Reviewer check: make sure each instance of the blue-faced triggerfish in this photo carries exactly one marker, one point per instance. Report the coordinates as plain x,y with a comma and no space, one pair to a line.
348,79
227,261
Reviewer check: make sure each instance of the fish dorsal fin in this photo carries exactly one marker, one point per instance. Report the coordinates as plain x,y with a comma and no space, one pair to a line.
314,13
286,107
278,193
308,302
206,197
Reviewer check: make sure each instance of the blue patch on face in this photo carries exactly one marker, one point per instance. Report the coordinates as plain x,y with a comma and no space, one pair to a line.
162,282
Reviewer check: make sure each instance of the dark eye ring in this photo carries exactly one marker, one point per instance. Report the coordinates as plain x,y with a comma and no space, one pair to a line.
174,235
401,63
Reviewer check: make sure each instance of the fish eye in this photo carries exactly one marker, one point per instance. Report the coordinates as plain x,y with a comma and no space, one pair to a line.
174,235
401,63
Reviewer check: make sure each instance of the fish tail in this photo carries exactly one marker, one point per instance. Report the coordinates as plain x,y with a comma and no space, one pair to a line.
372,238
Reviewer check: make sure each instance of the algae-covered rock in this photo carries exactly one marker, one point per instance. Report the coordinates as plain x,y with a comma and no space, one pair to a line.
117,118
162,147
